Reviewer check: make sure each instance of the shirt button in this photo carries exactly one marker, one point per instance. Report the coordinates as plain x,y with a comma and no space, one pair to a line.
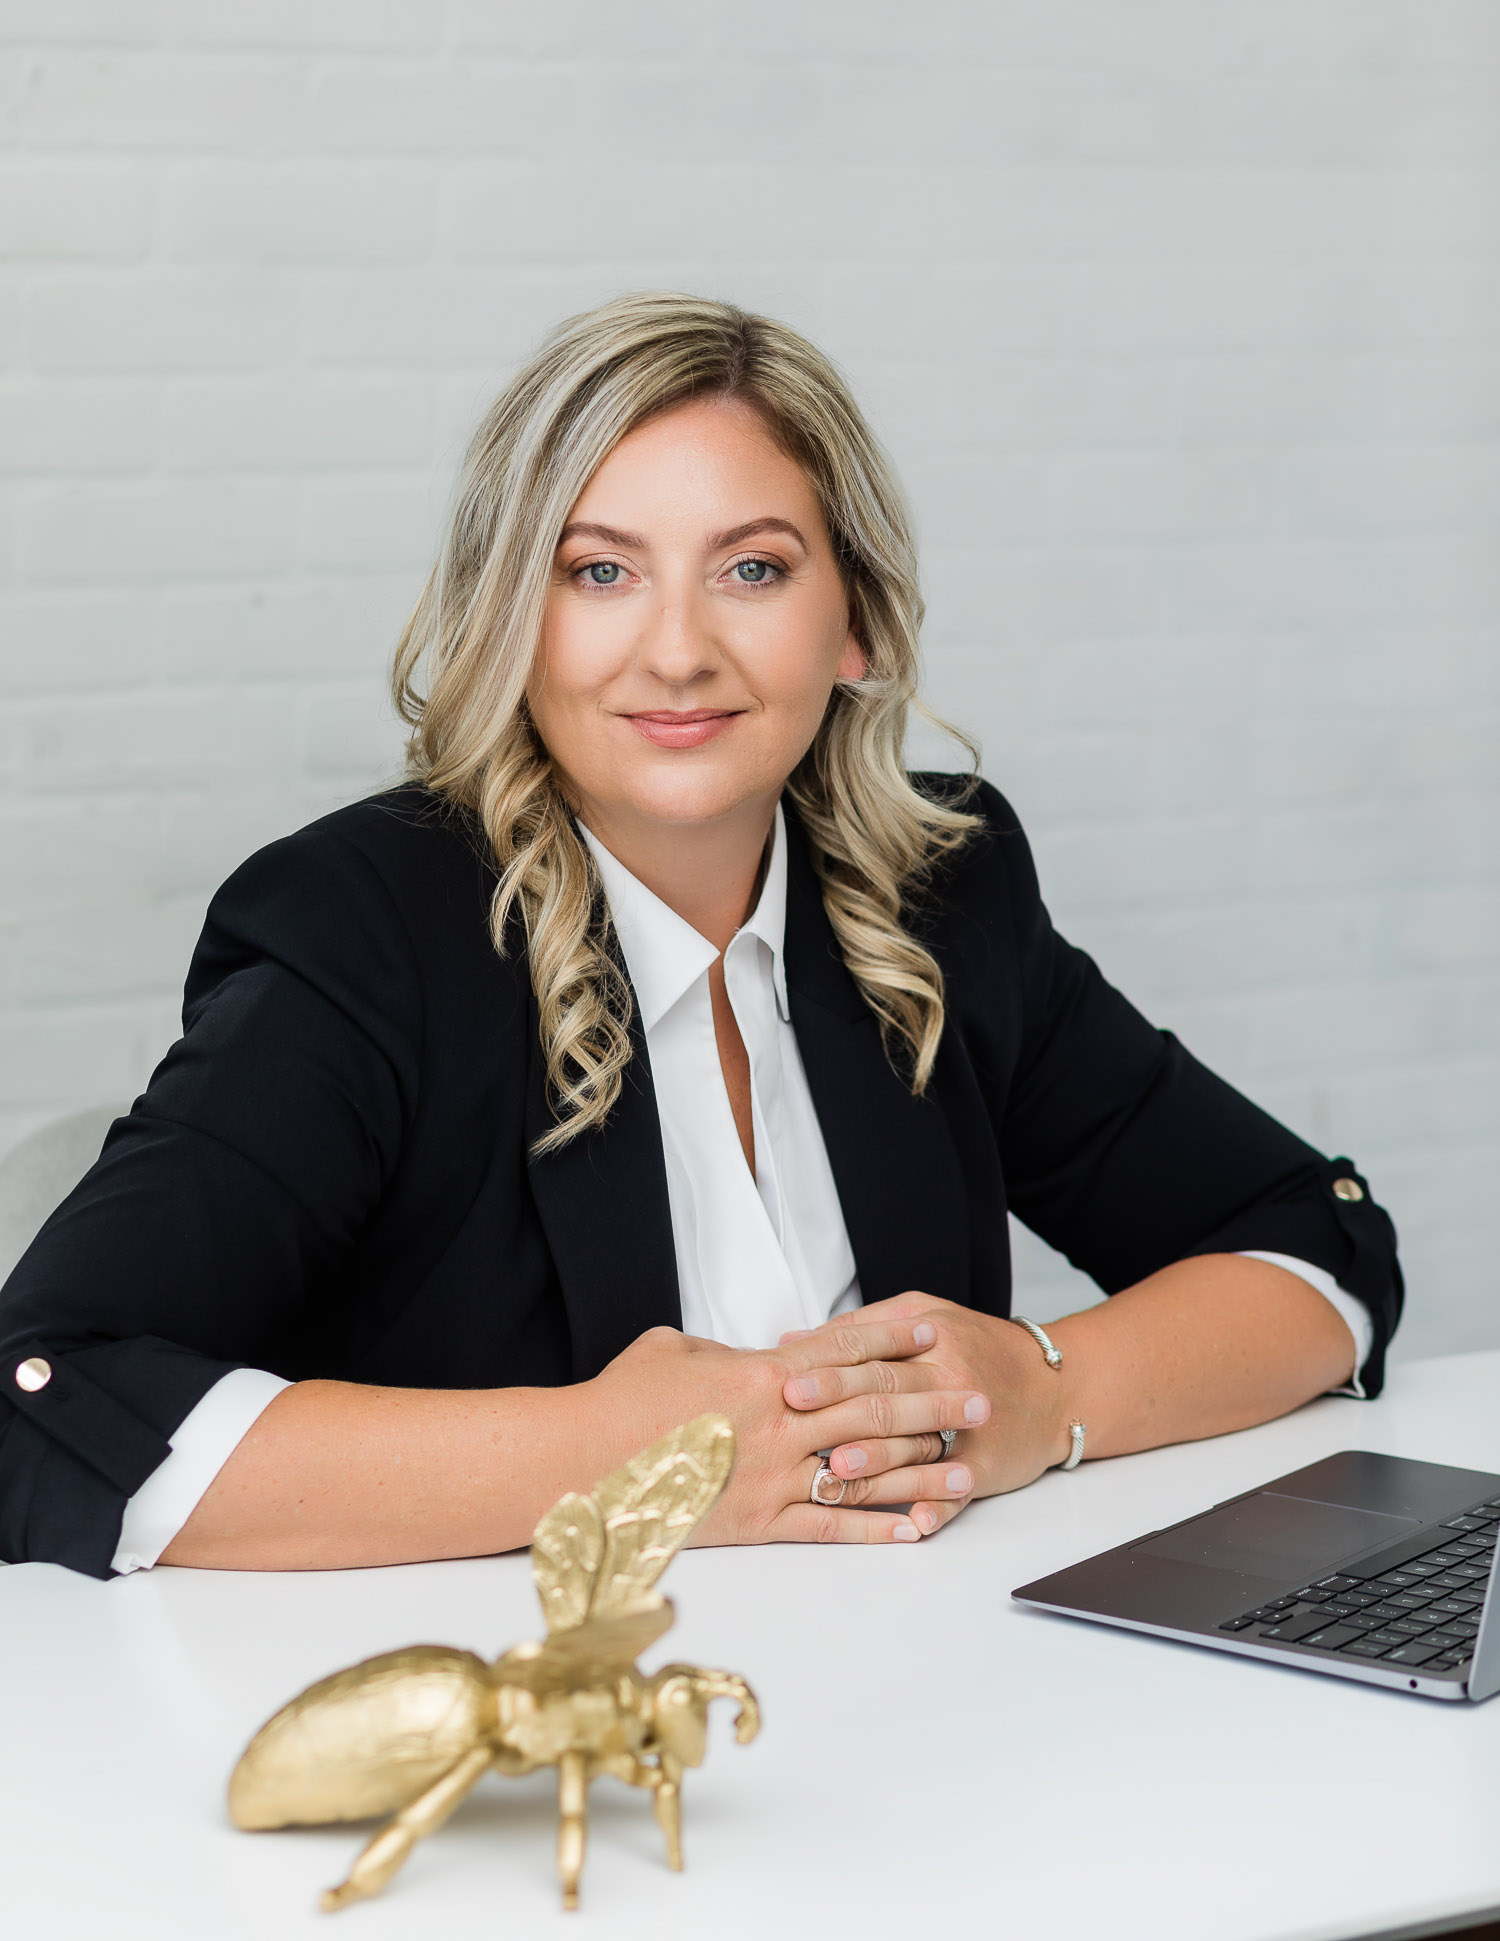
33,1374
1348,1189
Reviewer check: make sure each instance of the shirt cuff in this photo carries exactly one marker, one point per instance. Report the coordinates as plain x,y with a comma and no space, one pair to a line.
204,1441
1355,1315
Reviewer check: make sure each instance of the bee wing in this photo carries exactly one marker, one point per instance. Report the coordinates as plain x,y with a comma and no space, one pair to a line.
597,1649
652,1505
364,1742
567,1547
597,1556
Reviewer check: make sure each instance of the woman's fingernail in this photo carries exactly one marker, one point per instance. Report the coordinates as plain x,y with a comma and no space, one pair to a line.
905,1533
924,1334
796,1334
805,1387
976,1409
924,1518
958,1480
854,1460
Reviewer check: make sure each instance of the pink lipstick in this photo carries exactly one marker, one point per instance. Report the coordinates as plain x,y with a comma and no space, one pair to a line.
686,728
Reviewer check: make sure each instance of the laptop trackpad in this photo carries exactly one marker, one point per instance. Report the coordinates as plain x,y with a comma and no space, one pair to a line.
1277,1536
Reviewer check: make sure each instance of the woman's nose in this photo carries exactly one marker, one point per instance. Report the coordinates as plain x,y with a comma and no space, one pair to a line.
678,644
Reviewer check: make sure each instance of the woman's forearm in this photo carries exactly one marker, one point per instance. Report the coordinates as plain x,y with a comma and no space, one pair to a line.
1203,1347
335,1474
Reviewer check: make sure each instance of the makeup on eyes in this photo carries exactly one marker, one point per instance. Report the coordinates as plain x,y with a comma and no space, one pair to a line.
773,572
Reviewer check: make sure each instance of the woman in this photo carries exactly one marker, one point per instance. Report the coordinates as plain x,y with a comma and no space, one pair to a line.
642,1056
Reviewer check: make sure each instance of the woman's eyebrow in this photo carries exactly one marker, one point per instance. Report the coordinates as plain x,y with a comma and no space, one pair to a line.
753,526
611,535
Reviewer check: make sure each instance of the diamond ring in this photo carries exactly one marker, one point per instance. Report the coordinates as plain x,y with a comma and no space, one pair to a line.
950,1436
825,1474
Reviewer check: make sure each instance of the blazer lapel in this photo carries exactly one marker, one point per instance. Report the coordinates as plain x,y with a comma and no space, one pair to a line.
603,1204
894,1163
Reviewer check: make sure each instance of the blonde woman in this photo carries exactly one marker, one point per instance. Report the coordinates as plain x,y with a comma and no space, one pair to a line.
660,1046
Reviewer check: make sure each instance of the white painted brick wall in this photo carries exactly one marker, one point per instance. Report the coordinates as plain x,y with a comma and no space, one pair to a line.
1182,321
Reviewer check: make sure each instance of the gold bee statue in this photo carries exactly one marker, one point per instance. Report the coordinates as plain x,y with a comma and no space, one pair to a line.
412,1731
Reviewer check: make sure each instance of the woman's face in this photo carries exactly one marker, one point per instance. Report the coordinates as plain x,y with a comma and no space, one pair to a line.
695,625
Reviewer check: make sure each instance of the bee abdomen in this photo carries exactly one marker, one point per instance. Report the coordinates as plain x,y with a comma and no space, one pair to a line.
364,1742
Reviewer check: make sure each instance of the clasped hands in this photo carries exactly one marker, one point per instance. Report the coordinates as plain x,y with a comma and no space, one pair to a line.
873,1387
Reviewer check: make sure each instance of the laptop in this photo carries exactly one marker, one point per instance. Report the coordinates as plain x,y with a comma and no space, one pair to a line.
1371,1567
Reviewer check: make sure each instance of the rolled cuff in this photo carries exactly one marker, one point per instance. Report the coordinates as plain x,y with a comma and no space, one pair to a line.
201,1445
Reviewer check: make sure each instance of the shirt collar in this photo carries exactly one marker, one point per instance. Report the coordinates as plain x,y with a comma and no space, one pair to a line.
768,919
664,954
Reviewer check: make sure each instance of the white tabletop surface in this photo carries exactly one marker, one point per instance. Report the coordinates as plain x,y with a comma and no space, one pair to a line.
935,1760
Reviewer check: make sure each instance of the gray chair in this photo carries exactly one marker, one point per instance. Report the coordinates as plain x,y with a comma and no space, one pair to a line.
40,1172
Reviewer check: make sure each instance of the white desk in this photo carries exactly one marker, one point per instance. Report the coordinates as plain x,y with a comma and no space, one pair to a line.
935,1761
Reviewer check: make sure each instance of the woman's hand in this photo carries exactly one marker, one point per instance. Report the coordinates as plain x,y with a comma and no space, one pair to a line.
893,1389
1023,1433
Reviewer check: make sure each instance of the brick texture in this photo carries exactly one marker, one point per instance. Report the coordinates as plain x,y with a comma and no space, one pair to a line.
1181,322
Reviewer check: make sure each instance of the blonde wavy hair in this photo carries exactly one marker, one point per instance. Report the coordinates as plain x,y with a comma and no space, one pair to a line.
464,659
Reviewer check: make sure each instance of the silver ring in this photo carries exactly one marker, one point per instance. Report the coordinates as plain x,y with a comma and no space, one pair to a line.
950,1436
827,1502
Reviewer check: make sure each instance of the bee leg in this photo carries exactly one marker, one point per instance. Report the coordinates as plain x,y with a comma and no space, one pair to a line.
572,1822
395,1840
668,1808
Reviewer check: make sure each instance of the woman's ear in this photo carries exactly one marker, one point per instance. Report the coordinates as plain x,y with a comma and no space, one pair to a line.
854,662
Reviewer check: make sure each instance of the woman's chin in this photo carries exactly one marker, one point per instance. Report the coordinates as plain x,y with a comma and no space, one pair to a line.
683,798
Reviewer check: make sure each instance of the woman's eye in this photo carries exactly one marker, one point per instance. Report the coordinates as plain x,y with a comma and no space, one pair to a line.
754,572
603,572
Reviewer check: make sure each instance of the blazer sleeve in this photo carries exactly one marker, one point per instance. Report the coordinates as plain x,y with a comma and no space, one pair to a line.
1125,1153
248,1167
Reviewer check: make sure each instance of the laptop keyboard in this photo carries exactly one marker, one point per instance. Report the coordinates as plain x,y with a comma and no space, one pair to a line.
1424,1612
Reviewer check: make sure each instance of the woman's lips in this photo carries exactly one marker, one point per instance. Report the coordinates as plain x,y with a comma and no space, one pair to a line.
689,729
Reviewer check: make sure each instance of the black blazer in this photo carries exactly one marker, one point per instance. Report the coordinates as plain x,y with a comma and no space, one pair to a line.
330,1175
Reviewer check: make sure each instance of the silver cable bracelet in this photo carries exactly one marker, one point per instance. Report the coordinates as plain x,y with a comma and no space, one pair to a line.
1042,1339
1076,1429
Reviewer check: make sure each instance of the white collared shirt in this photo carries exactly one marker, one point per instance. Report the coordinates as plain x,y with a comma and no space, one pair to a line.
756,1254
